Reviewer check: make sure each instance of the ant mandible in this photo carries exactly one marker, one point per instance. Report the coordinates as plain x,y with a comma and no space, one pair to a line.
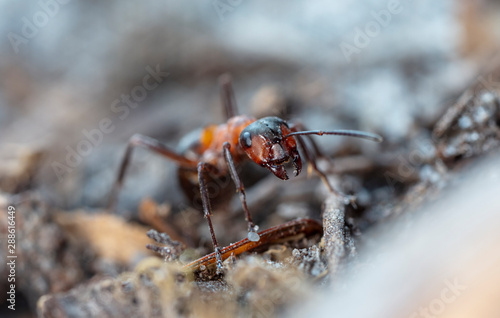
270,142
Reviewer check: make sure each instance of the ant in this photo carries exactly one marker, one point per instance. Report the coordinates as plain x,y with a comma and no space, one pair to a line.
269,142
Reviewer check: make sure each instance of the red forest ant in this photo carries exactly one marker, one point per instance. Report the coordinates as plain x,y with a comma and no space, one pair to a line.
270,142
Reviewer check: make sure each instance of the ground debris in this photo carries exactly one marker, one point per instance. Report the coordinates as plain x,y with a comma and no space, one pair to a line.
110,236
264,288
471,126
172,249
310,261
158,289
132,294
48,261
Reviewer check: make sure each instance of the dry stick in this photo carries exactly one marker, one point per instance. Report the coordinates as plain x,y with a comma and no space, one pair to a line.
452,113
286,230
334,231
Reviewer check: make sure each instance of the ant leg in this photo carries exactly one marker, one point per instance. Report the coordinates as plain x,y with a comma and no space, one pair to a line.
312,161
207,210
317,151
227,95
148,143
252,234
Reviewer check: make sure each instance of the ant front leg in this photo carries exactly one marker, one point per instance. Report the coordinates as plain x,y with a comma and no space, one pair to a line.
317,152
312,161
203,168
150,144
252,234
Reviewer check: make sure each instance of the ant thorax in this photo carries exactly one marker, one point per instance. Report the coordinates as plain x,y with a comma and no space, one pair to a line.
206,144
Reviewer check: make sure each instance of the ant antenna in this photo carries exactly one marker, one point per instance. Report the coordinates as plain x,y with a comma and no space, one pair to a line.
340,132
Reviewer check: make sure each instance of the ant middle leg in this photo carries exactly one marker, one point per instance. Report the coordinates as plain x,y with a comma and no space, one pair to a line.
252,234
203,168
312,161
227,96
154,145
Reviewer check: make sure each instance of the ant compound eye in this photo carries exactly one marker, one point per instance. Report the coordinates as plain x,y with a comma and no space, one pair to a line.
246,139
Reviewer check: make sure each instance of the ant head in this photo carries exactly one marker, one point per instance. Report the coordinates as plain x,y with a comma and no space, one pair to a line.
263,142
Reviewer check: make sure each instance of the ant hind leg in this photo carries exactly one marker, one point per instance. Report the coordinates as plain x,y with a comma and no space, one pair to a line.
154,145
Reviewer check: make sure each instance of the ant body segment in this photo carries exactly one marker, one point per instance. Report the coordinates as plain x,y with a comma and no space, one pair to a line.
270,142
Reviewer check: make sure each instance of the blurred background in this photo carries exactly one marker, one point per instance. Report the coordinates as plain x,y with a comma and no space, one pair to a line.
79,78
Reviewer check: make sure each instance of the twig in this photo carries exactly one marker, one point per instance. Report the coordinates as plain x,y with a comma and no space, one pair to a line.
284,231
334,231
